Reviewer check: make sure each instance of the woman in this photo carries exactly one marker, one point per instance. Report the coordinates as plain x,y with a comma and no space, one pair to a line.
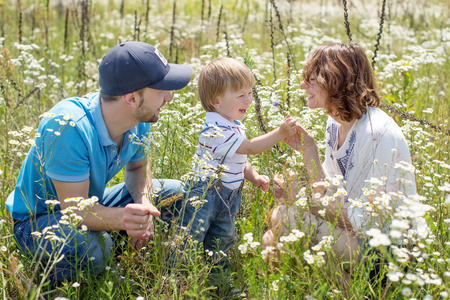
364,147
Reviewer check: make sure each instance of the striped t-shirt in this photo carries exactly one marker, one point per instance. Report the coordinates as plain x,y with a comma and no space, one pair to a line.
218,142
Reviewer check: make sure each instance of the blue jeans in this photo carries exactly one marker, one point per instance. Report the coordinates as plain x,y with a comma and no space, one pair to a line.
86,252
213,224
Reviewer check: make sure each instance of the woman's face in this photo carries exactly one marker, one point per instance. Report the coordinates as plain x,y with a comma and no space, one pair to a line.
317,96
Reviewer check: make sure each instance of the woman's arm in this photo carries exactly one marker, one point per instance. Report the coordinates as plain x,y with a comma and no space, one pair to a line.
335,211
303,141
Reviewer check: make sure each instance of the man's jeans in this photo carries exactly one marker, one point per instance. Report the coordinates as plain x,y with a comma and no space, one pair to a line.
87,252
213,224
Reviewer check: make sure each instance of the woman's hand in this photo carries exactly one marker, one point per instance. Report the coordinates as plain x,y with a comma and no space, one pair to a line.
280,186
302,139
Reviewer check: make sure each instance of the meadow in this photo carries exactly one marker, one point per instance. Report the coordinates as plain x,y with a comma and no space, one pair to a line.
51,50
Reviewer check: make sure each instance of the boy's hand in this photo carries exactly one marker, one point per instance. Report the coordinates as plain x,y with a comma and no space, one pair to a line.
288,127
262,181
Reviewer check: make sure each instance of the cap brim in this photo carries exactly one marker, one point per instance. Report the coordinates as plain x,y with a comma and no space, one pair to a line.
177,78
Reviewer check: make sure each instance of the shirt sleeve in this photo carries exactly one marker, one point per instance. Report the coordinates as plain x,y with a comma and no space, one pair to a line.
64,152
141,142
392,164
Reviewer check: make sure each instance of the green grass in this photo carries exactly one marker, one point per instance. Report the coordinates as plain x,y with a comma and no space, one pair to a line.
413,71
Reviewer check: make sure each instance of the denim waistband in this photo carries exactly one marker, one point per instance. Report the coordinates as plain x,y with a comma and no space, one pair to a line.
219,185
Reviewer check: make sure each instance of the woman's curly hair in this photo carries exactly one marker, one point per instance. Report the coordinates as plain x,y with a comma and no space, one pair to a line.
344,71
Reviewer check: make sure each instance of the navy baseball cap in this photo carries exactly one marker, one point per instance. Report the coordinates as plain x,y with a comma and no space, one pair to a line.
131,66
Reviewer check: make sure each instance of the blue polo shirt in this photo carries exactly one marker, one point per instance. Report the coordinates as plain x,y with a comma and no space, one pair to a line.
73,145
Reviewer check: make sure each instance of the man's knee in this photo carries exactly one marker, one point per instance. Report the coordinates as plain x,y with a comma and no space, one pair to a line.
172,192
92,250
100,250
165,188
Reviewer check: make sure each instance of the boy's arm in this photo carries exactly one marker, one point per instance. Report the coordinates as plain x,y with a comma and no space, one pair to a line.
261,181
264,142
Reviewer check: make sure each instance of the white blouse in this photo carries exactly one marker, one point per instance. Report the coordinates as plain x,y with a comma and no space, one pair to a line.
374,160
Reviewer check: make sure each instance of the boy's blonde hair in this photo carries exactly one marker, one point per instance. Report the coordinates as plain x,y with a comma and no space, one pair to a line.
219,75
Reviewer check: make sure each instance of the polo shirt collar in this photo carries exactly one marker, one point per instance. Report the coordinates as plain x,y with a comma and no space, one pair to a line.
216,118
96,112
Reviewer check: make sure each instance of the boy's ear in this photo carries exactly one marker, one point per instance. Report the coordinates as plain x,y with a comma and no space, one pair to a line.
215,103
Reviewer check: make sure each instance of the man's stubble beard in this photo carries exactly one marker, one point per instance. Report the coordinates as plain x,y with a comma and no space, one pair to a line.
142,116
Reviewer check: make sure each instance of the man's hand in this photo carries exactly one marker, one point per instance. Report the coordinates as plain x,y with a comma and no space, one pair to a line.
138,219
137,243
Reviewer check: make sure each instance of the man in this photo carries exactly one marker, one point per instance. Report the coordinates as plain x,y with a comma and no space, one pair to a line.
84,142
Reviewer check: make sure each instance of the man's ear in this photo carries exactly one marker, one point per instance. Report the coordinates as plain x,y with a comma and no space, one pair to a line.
130,100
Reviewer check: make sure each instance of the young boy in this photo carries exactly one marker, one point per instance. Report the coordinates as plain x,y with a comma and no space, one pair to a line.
225,88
